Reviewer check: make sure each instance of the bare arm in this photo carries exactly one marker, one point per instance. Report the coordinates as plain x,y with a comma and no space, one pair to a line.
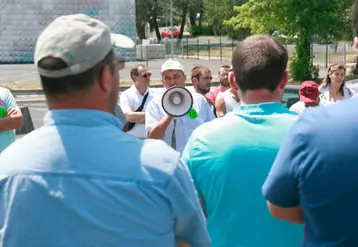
292,214
220,106
13,120
135,117
158,131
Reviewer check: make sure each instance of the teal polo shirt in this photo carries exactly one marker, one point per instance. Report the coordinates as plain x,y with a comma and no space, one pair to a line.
229,159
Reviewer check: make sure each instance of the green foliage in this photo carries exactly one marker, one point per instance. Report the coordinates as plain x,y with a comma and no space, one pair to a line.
217,11
201,30
302,69
301,19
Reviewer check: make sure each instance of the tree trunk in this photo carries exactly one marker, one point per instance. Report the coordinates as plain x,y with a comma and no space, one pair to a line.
182,24
140,30
201,14
155,25
192,17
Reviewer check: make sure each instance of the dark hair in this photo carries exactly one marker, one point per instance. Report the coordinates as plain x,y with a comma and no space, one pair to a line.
134,71
72,83
224,66
355,17
259,62
198,71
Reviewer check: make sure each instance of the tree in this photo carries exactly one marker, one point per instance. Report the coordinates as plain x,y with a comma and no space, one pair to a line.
298,19
216,11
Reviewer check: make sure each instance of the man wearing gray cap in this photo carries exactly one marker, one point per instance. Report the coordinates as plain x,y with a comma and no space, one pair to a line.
79,180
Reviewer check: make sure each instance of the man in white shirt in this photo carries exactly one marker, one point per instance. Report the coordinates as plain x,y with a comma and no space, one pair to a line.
134,101
309,97
175,131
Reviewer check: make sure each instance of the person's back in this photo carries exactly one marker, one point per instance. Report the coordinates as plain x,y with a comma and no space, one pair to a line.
79,180
231,173
326,177
230,157
93,180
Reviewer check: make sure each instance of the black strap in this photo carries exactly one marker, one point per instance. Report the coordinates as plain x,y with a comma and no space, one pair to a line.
139,109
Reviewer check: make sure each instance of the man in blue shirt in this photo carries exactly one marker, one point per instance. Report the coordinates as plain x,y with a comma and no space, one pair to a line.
10,118
79,180
314,177
230,157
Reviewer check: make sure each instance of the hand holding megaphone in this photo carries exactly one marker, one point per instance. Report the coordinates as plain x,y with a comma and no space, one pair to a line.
177,101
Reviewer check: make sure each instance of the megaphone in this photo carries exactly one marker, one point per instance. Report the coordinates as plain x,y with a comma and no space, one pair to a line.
177,101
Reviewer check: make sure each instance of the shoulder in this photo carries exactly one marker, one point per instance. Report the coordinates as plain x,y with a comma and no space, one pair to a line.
158,159
220,96
322,120
128,91
4,91
156,101
298,106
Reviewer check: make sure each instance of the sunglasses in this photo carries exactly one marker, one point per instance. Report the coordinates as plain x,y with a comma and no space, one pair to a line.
146,75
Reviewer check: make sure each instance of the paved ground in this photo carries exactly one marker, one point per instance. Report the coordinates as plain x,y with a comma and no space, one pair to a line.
26,73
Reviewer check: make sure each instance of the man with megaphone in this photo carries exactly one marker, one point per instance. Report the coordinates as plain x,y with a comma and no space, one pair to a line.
175,114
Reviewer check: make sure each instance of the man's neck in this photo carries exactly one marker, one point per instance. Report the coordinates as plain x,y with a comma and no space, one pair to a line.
76,102
141,89
259,96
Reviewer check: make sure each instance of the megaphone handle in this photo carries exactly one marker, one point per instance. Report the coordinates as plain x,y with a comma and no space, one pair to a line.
174,139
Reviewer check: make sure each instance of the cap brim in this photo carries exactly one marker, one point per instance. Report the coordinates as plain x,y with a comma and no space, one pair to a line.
121,41
305,99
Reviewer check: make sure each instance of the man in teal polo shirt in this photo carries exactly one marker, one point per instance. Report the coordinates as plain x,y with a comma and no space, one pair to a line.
230,157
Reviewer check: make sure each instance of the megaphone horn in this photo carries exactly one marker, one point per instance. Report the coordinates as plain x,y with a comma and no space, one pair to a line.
177,101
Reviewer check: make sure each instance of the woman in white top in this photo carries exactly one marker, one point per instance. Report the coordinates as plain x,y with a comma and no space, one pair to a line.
333,87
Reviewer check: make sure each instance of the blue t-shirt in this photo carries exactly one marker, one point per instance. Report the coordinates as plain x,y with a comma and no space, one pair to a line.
317,168
80,181
7,101
229,159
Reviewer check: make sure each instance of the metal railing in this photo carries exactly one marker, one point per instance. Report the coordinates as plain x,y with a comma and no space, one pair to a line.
221,49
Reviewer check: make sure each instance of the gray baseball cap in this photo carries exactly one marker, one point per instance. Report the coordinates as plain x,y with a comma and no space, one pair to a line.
80,41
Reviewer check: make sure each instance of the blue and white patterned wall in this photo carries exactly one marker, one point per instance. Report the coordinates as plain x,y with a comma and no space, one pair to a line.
21,22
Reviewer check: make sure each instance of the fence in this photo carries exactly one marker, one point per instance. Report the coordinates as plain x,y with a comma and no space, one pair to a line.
221,49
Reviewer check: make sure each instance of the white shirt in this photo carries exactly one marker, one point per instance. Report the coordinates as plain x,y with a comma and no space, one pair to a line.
326,97
230,102
130,100
184,126
298,107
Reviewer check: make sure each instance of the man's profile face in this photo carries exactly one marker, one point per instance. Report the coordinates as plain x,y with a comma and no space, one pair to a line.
224,76
173,78
204,82
143,77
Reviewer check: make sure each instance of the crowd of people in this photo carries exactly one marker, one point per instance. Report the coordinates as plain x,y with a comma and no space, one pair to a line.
244,170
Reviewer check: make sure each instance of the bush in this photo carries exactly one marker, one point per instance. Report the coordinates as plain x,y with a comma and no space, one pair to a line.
201,30
300,70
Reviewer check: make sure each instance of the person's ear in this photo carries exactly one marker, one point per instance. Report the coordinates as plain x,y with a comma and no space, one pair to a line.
104,80
232,81
284,81
194,80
